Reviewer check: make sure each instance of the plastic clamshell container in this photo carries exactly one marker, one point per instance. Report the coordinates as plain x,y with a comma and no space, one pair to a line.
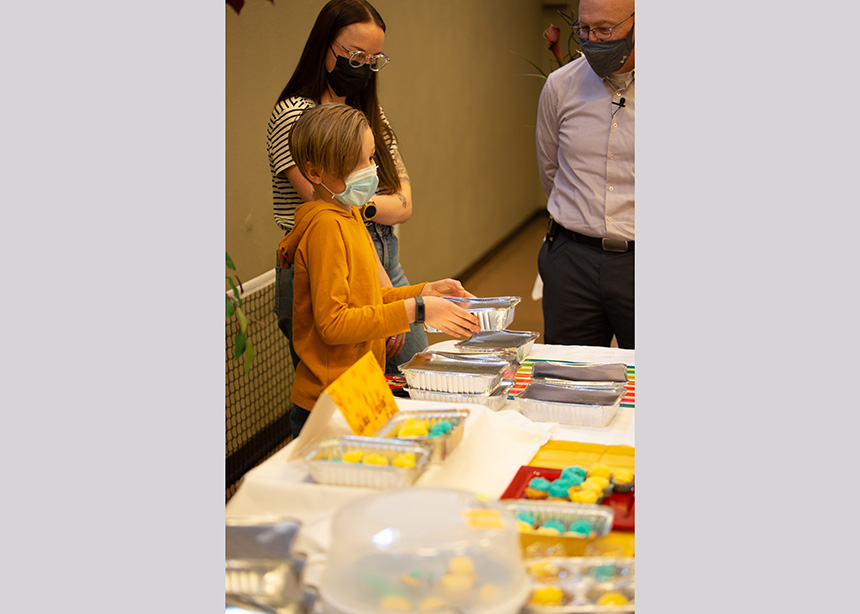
440,447
494,341
534,407
423,548
260,566
496,400
600,517
494,313
583,581
451,373
326,468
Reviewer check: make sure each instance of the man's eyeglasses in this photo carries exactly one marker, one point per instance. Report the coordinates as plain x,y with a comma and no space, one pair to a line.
601,34
359,58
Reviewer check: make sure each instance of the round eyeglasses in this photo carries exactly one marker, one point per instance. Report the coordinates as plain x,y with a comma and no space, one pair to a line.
358,58
601,34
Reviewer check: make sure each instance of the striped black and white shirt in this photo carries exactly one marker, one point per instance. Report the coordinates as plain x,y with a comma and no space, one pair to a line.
285,114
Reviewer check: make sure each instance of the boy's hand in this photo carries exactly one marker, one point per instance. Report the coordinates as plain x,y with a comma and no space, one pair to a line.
445,287
394,344
449,317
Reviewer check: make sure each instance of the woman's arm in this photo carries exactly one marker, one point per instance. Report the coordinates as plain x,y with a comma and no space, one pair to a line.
395,208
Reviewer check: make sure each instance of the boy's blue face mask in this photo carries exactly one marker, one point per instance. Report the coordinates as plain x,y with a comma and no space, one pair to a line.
360,187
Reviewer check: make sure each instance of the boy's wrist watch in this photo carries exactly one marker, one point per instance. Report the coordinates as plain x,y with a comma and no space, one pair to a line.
368,211
419,310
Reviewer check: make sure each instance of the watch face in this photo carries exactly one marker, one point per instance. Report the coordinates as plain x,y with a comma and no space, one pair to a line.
369,211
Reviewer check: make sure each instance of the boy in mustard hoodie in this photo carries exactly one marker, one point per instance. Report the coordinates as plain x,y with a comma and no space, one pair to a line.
340,311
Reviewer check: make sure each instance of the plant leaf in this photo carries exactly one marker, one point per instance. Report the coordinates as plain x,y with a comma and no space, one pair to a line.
243,321
229,307
235,290
249,355
239,348
536,67
230,264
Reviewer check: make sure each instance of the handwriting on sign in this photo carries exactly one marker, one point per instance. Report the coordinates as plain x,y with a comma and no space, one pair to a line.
363,396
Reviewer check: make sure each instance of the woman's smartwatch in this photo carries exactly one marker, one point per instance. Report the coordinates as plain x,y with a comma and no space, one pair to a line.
368,211
419,310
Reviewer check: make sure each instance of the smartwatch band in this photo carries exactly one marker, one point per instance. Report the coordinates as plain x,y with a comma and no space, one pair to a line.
419,310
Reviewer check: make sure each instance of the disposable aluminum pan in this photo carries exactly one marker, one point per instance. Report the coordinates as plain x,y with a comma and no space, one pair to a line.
509,357
440,447
583,580
599,516
495,400
543,402
494,313
494,341
450,373
591,372
326,467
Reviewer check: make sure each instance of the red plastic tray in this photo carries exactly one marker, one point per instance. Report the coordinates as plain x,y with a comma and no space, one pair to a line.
624,504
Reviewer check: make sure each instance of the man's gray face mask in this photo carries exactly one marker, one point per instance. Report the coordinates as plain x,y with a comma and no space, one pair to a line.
606,57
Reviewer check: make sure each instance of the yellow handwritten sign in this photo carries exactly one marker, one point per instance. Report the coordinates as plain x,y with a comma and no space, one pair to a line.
363,396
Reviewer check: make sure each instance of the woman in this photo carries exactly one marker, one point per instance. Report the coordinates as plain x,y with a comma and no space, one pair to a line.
340,61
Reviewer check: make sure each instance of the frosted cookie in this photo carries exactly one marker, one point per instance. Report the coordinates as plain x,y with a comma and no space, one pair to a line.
538,488
374,459
395,603
405,460
611,598
352,456
547,595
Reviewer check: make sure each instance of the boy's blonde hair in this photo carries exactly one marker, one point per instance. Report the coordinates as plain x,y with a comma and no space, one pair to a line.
329,137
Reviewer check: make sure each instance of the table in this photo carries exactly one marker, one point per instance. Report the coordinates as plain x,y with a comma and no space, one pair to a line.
494,446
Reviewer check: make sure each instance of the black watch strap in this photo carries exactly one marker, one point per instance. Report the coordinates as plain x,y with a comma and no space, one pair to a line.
419,310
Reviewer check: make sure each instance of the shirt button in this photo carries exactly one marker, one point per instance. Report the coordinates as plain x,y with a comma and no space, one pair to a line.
609,219
611,188
611,156
614,125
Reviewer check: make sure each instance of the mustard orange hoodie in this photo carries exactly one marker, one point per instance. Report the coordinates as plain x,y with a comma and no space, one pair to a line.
340,311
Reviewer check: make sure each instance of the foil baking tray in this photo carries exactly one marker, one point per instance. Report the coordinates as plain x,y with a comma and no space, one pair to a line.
452,373
510,357
440,446
326,467
569,405
496,400
583,582
599,516
517,342
260,567
589,372
494,313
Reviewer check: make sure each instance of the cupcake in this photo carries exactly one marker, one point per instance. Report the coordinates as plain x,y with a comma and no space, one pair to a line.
558,489
581,528
546,595
599,485
583,495
599,470
623,480
538,488
575,473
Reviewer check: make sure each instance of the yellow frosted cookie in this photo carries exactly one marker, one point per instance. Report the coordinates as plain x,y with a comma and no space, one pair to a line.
611,598
413,429
395,603
546,595
584,496
599,470
352,456
432,603
374,459
543,569
405,460
461,564
489,593
456,586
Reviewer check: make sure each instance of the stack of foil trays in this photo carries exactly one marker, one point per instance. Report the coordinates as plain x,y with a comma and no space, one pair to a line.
459,378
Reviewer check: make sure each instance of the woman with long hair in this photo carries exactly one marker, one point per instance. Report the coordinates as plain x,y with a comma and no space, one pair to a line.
340,63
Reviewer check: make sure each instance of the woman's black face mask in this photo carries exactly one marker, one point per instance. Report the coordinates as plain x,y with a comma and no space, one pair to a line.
346,80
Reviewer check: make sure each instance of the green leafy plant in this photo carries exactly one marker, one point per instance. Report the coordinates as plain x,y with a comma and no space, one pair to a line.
243,349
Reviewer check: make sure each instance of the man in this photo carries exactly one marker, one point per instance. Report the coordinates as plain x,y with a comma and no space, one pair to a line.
585,155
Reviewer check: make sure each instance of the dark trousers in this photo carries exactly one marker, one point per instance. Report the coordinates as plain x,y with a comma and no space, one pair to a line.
587,294
298,417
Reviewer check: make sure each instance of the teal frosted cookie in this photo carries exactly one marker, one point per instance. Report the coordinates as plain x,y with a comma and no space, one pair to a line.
558,489
440,429
582,528
538,488
575,473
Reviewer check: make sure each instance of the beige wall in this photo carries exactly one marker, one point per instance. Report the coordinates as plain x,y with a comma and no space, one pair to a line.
456,96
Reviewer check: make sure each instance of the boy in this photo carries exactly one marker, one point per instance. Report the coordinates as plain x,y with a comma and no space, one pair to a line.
340,311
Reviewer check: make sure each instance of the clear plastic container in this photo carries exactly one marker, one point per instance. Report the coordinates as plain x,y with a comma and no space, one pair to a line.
417,549
326,465
585,585
440,445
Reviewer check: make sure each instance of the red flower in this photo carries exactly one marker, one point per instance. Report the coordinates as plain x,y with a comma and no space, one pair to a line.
551,34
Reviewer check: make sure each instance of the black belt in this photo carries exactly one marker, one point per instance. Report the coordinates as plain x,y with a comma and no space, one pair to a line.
607,245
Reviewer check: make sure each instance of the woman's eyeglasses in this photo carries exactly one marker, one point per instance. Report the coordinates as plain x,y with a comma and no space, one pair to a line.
358,58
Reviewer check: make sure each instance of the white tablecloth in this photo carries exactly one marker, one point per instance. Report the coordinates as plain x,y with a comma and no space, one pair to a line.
494,446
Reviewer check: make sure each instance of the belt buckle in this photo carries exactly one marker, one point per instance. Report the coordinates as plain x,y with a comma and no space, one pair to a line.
614,245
